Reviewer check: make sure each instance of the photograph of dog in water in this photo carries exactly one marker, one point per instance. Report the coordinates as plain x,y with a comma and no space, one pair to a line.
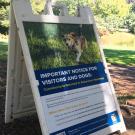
61,45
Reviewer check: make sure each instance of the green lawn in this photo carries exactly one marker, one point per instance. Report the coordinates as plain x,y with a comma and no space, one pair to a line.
119,48
122,57
119,41
3,50
115,54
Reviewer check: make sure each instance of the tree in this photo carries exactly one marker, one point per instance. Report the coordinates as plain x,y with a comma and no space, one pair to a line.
37,5
130,19
72,4
4,9
111,13
111,7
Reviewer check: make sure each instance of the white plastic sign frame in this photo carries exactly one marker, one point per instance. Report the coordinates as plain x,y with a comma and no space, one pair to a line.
21,11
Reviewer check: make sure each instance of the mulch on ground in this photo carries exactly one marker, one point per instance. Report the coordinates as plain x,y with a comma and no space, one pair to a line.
123,78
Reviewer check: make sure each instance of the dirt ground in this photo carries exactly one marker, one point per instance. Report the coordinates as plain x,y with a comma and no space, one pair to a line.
123,78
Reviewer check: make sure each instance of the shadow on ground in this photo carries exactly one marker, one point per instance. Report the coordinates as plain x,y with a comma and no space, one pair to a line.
126,57
30,125
23,126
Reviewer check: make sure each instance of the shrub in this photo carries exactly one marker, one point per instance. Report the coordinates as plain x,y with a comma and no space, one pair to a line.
130,22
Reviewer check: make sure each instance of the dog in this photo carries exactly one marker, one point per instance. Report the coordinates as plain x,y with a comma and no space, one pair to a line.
75,43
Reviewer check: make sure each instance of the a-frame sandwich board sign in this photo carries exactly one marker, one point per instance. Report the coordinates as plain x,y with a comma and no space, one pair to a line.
58,61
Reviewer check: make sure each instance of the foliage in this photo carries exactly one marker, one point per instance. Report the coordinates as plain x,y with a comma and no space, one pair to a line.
105,8
4,9
37,6
132,9
111,13
108,13
130,22
72,4
130,19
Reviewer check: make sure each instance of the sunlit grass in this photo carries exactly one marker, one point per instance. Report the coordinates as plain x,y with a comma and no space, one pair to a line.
122,57
119,48
119,41
115,53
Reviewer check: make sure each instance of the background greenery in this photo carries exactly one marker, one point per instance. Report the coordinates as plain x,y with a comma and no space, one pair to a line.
115,20
4,9
114,54
111,15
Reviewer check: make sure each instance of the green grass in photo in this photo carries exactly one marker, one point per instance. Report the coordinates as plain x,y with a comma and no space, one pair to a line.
48,50
53,53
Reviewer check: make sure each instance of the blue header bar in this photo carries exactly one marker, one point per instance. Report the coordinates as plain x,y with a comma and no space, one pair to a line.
67,78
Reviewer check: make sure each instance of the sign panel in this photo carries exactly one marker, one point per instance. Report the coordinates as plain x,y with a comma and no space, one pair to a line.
74,90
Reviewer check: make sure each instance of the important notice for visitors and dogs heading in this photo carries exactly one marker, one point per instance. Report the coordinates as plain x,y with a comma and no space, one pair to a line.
66,70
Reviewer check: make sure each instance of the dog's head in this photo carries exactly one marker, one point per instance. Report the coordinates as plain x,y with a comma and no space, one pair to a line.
70,39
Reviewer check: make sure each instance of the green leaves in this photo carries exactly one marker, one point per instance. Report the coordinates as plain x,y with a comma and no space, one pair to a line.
4,10
111,13
37,6
130,22
72,5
